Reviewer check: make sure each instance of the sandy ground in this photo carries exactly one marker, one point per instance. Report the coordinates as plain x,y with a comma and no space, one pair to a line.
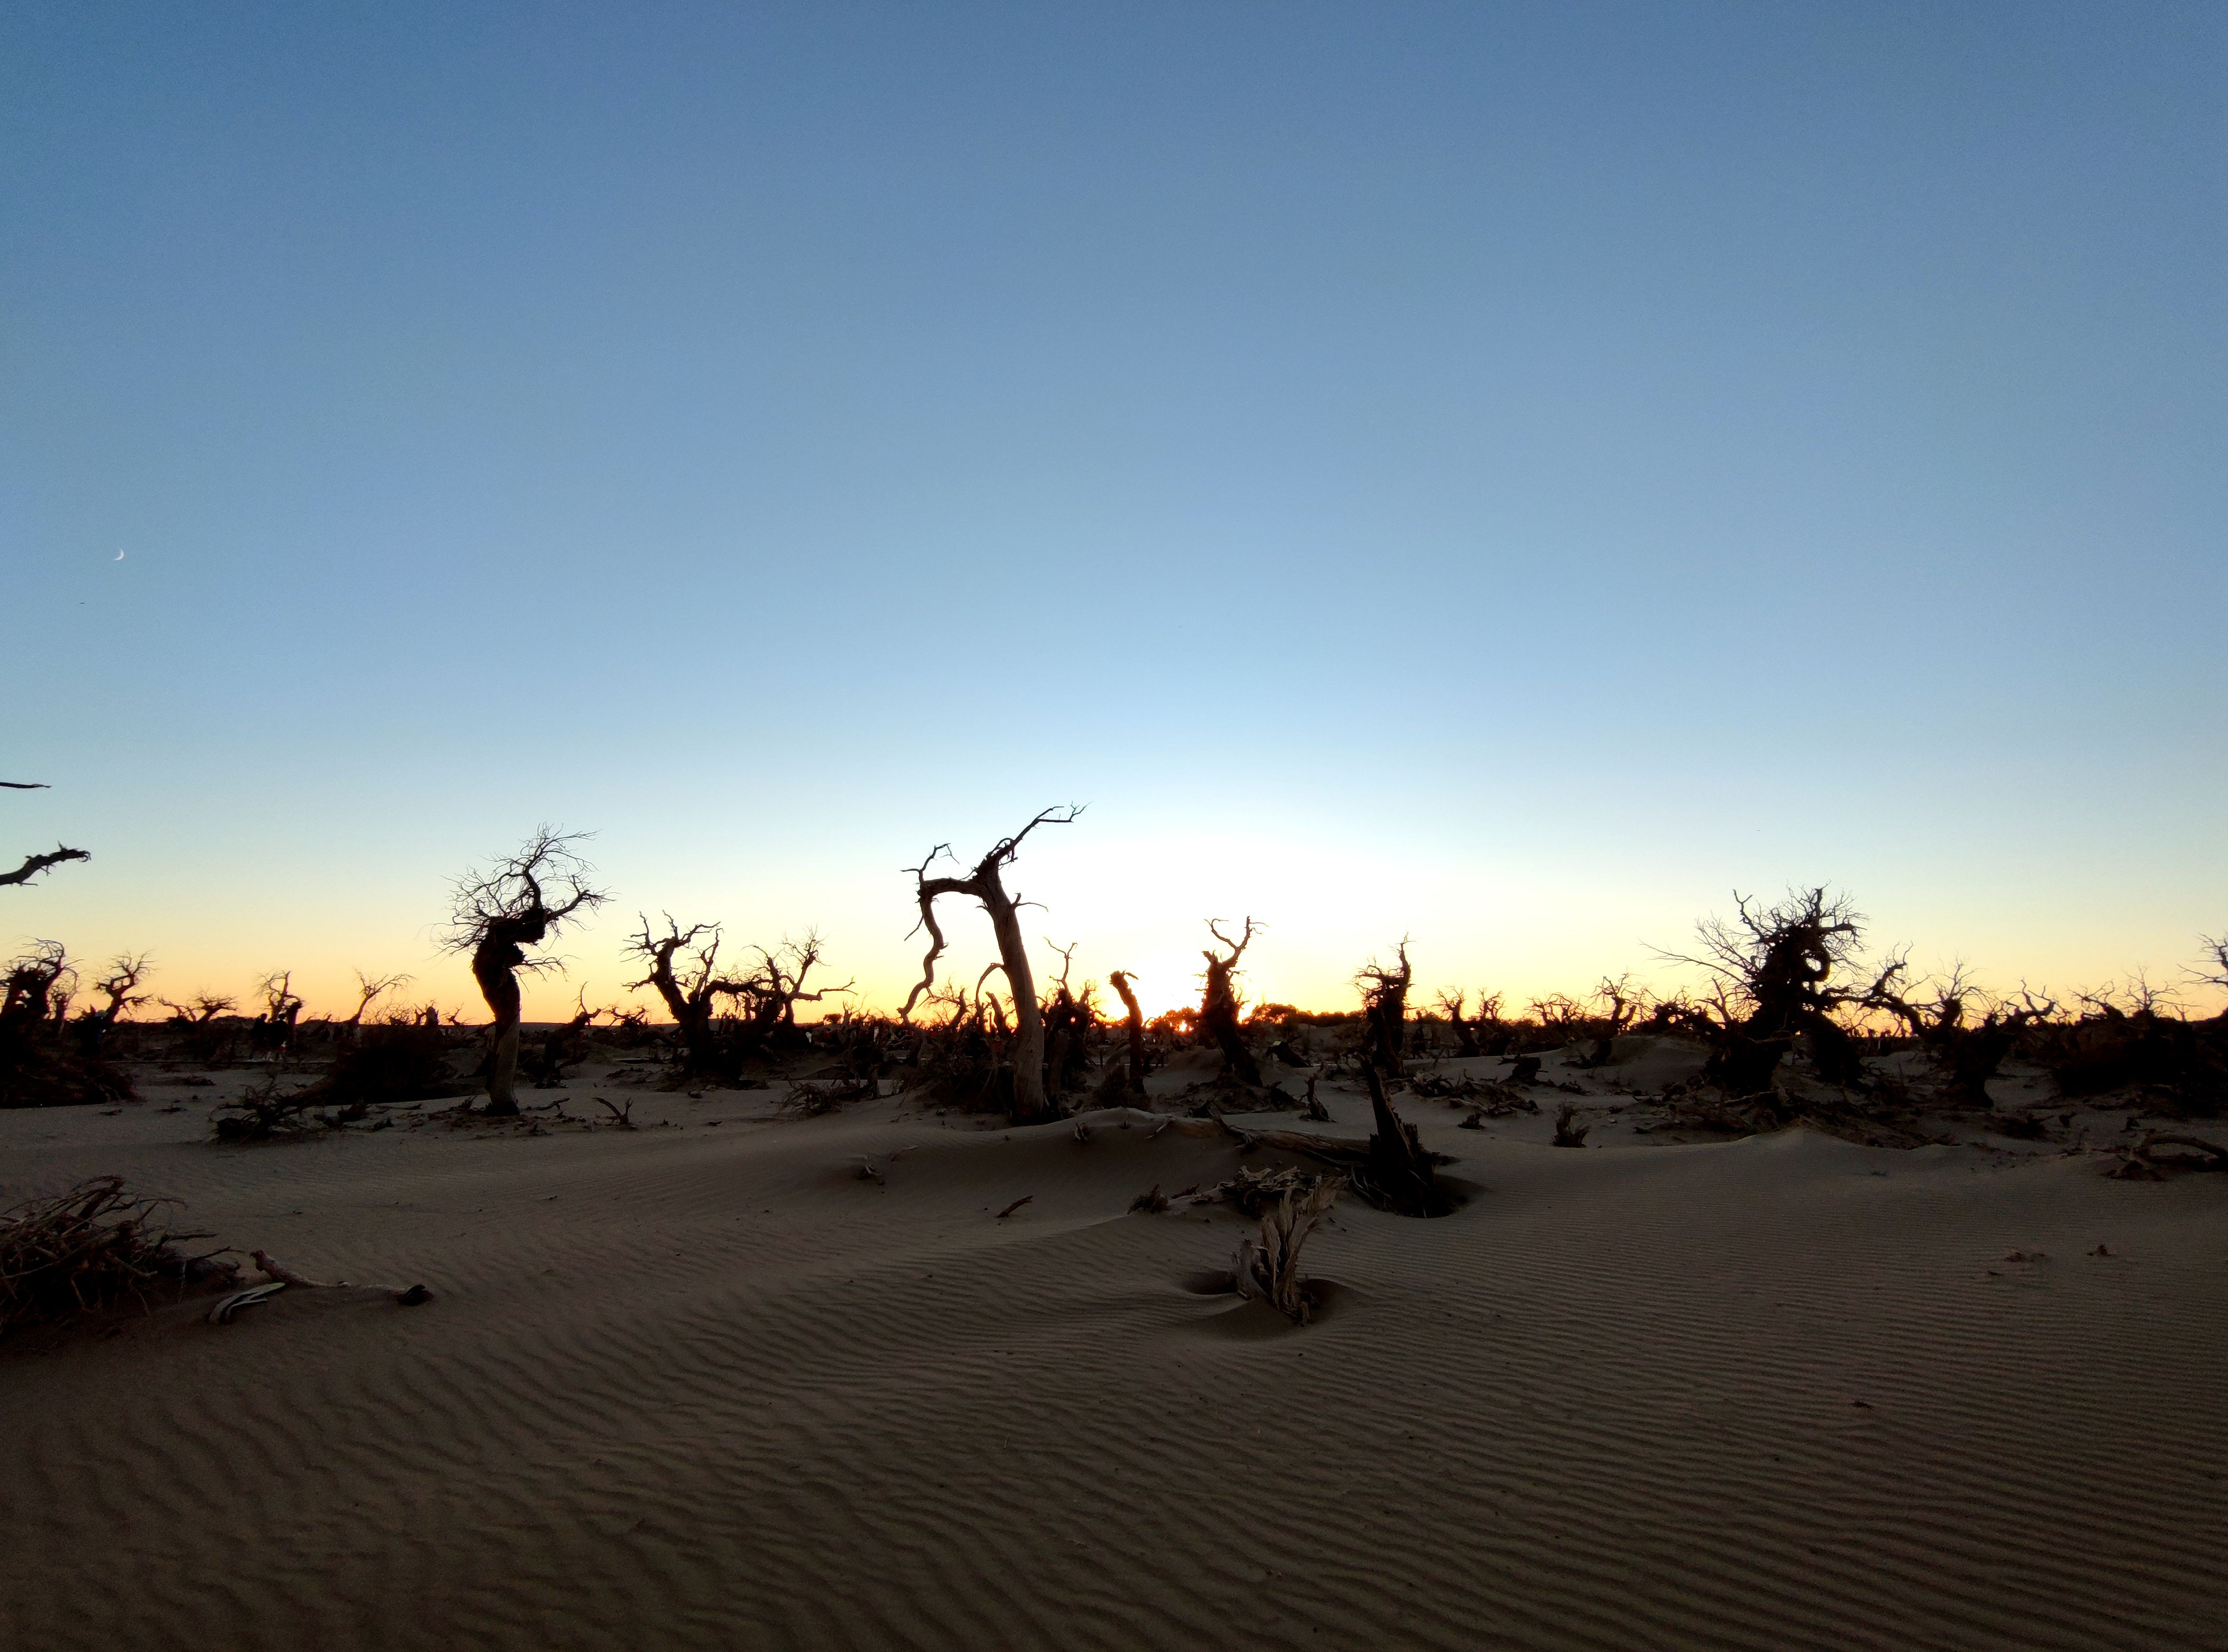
700,1384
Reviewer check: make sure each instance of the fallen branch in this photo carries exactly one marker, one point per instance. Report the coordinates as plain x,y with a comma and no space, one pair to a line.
408,1295
2143,1162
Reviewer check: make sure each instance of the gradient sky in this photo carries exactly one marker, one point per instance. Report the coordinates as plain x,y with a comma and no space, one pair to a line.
1508,475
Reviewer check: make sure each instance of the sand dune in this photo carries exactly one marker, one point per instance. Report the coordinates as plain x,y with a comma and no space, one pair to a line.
704,1385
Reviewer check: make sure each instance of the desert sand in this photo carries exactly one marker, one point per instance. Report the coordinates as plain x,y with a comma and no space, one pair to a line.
735,1378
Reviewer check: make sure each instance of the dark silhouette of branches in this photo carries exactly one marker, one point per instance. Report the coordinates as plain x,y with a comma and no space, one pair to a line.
496,914
1384,990
1220,1004
985,884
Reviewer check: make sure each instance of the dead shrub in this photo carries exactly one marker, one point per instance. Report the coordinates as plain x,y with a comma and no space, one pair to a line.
1268,1268
94,1247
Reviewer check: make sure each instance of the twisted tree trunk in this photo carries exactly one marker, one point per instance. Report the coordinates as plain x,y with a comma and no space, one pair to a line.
986,885
495,961
1136,1024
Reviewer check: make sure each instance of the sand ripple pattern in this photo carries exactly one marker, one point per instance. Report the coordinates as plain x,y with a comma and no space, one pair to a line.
707,1388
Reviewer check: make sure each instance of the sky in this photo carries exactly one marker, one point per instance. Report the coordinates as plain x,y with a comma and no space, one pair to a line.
1506,476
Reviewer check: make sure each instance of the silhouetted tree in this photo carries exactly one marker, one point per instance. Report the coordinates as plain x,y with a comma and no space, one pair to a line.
682,968
1069,1017
1617,1004
1450,1005
1385,1009
498,913
1967,1050
281,1011
985,884
1134,1024
1220,1004
370,989
1774,967
121,988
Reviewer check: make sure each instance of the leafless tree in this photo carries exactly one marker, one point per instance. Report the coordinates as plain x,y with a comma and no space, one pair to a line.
1774,968
274,1028
1450,1005
1219,1003
773,988
985,884
370,990
34,982
1069,1017
682,966
2213,971
120,986
1969,1048
1617,1004
1384,991
1134,1024
498,913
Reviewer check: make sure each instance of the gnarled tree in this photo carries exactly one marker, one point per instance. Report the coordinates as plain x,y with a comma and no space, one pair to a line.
986,884
1967,1050
771,992
281,1011
1617,1004
120,987
1385,1009
496,913
1774,967
1069,1017
1134,1024
1218,1003
682,966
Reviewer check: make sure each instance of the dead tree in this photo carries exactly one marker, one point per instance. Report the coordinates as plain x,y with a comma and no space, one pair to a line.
1775,966
681,967
986,885
1399,1175
1219,1003
496,913
1069,1017
562,1047
1967,1050
39,1067
771,992
1450,1005
281,1011
1620,1003
33,983
370,990
2214,972
1385,1010
121,988
1134,1024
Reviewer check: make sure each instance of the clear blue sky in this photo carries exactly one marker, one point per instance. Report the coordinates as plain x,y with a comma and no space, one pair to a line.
1508,474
